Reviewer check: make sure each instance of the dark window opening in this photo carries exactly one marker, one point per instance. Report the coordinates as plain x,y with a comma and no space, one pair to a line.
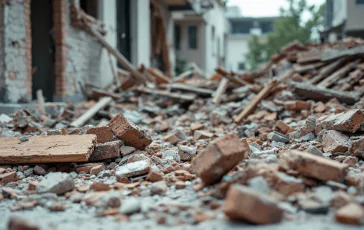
90,7
177,37
192,37
241,66
359,2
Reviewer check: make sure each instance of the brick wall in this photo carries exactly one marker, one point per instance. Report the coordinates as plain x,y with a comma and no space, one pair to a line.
77,53
16,83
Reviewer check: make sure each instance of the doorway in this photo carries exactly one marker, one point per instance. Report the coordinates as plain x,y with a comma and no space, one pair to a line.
43,50
123,28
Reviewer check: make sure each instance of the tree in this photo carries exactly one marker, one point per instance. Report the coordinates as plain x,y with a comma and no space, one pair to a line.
289,27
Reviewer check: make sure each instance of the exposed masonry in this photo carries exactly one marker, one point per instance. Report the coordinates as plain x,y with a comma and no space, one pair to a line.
14,65
80,52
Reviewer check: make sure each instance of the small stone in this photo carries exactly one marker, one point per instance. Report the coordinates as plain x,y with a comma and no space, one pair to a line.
158,187
154,176
19,223
180,185
57,182
350,214
130,205
172,155
97,169
39,170
276,136
23,138
98,186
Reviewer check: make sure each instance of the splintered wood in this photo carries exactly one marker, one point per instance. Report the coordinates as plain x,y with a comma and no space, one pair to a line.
47,149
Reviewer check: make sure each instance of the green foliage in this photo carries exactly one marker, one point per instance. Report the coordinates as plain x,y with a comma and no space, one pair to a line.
289,27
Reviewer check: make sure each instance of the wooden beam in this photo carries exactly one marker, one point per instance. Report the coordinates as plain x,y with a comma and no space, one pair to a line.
338,74
178,96
101,104
220,91
257,99
322,94
47,149
40,99
191,88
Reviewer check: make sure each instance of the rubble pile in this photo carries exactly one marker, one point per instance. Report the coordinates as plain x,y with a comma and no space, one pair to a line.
261,147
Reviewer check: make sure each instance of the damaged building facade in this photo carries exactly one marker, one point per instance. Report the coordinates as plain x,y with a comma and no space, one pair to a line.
40,48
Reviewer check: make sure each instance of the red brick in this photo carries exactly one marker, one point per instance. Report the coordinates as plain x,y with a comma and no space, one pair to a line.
313,166
297,105
357,147
171,138
349,121
245,204
219,157
97,169
103,134
350,214
198,134
282,127
154,176
108,150
8,177
334,141
129,132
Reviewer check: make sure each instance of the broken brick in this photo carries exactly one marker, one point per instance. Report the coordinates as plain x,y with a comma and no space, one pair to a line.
334,141
129,132
245,204
350,214
219,157
357,147
97,169
171,138
199,134
99,186
196,126
103,134
349,121
107,150
282,127
8,177
313,166
297,105
154,176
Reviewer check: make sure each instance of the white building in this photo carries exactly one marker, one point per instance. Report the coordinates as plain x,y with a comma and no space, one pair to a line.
241,29
196,33
343,18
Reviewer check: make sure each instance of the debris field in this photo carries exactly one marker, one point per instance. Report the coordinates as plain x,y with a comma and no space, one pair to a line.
258,148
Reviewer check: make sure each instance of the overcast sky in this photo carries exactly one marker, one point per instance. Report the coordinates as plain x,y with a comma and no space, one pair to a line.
264,8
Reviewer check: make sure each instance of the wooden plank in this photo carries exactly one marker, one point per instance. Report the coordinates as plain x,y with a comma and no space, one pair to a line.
220,90
237,81
335,54
178,96
309,56
191,88
258,98
159,77
47,149
327,70
327,82
91,112
323,94
40,99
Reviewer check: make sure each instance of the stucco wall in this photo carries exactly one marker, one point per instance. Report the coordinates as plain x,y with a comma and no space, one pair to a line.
237,48
140,32
340,12
214,47
355,13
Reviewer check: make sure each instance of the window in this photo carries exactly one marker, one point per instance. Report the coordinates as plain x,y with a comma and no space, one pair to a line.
241,66
90,7
192,37
359,2
213,39
177,37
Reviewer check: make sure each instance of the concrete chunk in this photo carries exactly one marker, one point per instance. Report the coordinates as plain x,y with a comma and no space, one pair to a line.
57,182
